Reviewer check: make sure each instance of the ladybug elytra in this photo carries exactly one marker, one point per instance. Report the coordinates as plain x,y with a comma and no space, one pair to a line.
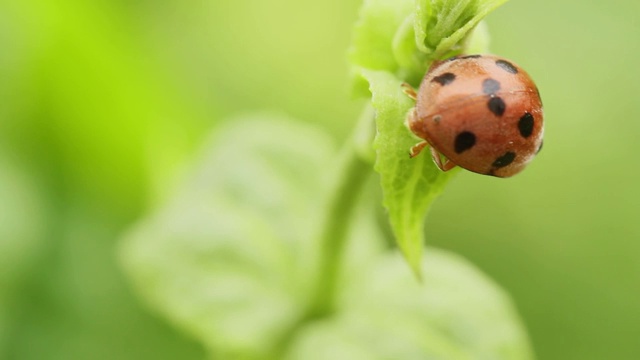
482,112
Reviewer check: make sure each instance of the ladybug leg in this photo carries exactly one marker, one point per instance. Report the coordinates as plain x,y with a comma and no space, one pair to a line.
410,121
435,155
409,91
417,148
446,166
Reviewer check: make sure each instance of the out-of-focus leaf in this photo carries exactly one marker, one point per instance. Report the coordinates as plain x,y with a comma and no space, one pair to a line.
21,233
374,33
455,314
374,45
89,99
225,260
478,40
21,223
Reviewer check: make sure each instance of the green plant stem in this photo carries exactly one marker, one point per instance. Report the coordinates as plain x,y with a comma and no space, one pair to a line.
352,175
354,167
356,164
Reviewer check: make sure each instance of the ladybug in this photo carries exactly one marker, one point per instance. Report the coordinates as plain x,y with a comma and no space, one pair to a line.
482,112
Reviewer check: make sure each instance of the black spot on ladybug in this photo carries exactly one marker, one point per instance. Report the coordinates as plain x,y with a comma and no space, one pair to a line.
504,160
525,125
497,105
507,66
490,86
464,141
444,79
540,147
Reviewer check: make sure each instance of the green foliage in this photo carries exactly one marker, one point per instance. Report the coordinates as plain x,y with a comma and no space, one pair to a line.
456,314
103,101
409,185
91,132
225,259
375,31
231,261
439,27
266,255
21,226
251,258
21,229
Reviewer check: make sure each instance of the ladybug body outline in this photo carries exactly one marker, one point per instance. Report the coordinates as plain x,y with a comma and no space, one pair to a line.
481,112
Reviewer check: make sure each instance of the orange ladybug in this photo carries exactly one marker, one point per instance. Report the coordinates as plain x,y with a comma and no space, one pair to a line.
482,112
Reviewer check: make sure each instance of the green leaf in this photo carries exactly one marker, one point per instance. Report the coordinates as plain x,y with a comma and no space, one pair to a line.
374,35
477,42
412,62
399,48
456,313
404,37
228,261
409,185
442,24
225,260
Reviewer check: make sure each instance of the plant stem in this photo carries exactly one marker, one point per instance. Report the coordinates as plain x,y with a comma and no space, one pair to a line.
353,173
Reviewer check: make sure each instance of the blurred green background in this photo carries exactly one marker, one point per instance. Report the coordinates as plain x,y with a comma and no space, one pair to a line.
104,102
